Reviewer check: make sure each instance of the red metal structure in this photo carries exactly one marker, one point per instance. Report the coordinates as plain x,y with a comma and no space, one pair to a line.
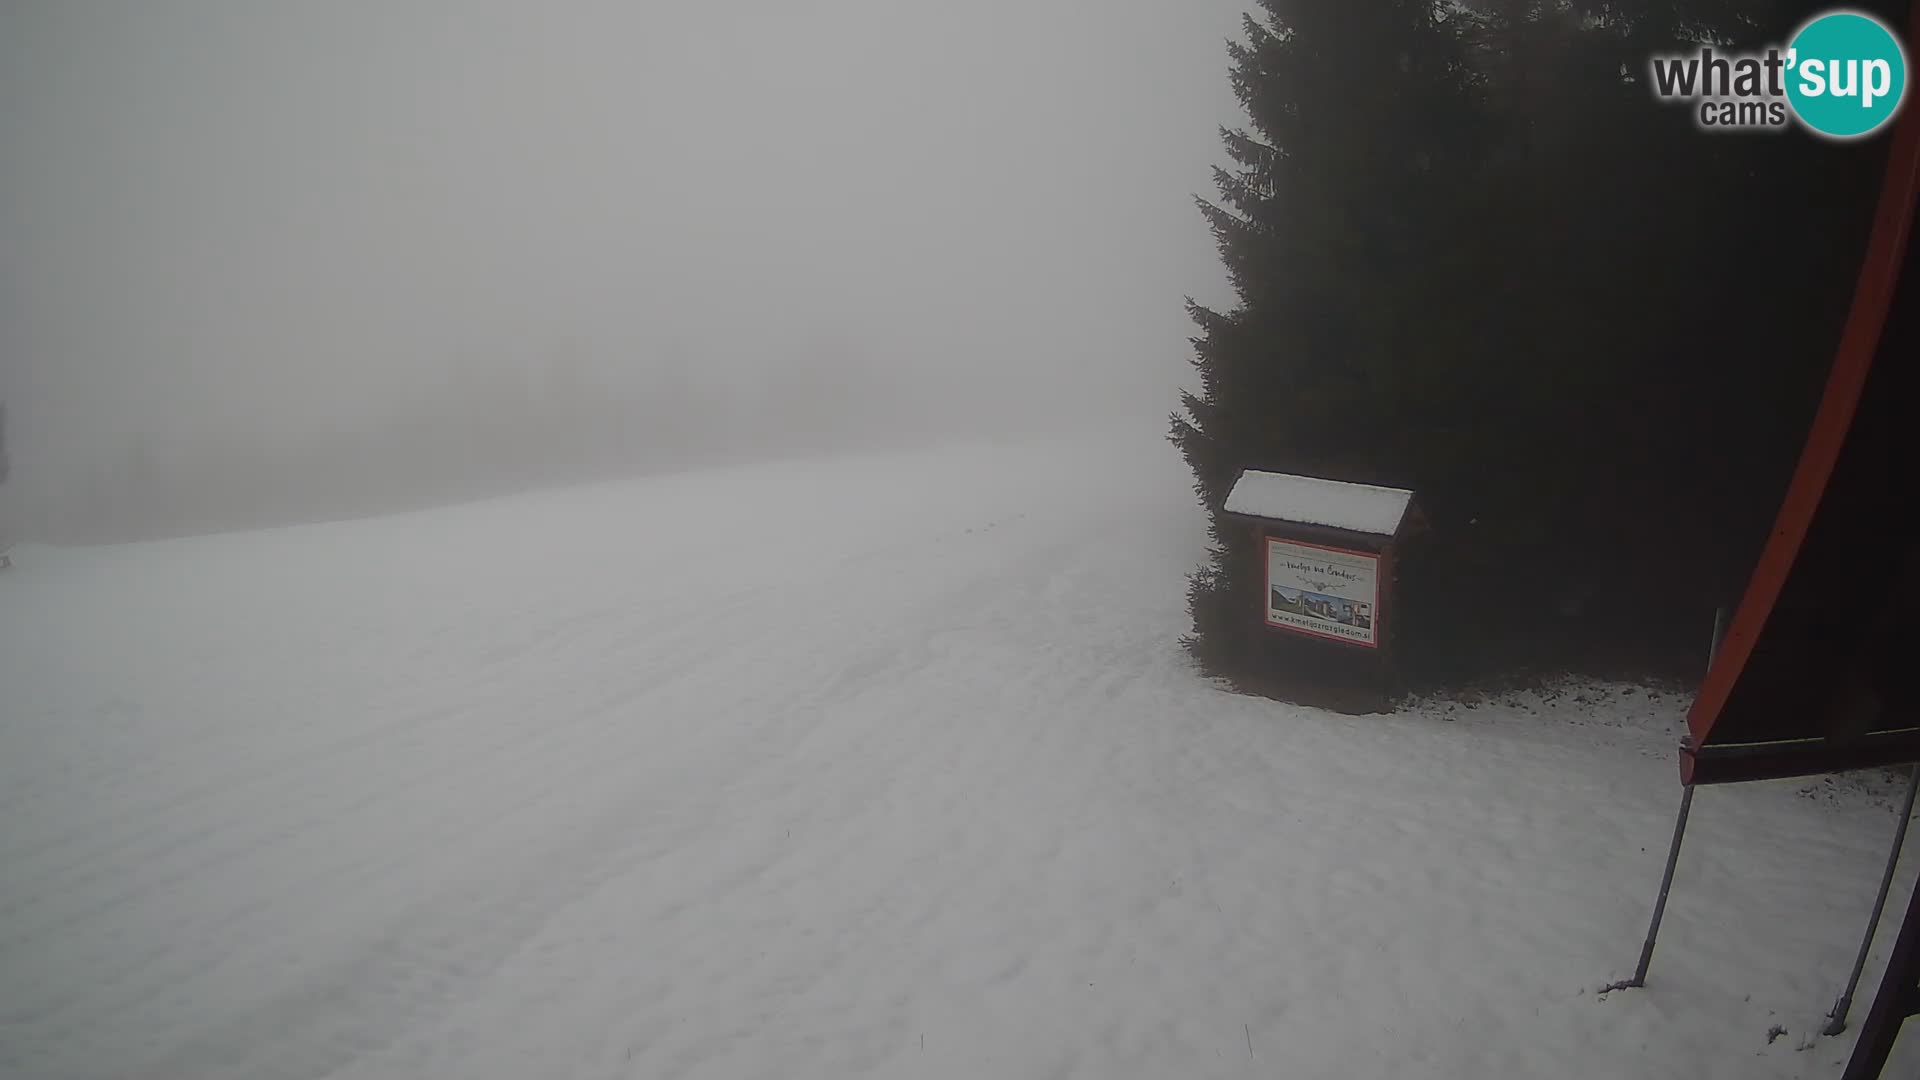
1807,678
1801,683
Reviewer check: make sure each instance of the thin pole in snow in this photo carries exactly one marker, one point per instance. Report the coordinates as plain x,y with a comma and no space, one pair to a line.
1679,834
1837,1018
1666,884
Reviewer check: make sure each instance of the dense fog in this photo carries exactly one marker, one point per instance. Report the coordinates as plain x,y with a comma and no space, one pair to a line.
266,262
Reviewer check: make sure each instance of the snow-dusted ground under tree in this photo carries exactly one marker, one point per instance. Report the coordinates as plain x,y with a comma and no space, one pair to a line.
879,766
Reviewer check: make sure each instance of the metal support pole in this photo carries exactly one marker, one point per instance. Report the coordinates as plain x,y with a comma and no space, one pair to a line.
1719,631
1679,834
1666,883
1837,1018
1898,998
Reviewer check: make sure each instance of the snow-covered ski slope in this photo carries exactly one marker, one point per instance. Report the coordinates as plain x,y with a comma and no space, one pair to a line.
882,766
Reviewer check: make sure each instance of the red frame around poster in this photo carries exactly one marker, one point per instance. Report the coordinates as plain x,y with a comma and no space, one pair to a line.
1379,594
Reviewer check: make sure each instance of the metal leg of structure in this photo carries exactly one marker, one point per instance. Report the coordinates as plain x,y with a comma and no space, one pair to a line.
1679,834
1897,999
1837,1019
1666,884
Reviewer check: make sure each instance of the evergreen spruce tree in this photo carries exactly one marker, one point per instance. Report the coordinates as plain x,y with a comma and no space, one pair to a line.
1662,377
1473,256
1334,225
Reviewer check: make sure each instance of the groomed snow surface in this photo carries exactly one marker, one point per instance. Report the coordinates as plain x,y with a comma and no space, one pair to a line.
880,766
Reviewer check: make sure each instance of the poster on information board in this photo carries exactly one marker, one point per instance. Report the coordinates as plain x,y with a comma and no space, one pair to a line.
1323,592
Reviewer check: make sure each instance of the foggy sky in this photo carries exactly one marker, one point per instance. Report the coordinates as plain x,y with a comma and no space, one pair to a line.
224,221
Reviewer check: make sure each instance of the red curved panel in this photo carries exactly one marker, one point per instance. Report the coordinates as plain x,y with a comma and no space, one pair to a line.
1787,752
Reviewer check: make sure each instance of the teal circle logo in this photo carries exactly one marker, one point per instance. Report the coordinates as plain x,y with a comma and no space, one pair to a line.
1846,75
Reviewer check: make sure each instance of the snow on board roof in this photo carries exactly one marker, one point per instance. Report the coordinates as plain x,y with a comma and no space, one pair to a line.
1333,504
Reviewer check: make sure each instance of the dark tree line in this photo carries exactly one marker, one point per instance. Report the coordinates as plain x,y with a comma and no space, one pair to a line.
1473,256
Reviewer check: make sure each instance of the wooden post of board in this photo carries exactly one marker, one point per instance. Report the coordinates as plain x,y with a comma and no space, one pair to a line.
1327,554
